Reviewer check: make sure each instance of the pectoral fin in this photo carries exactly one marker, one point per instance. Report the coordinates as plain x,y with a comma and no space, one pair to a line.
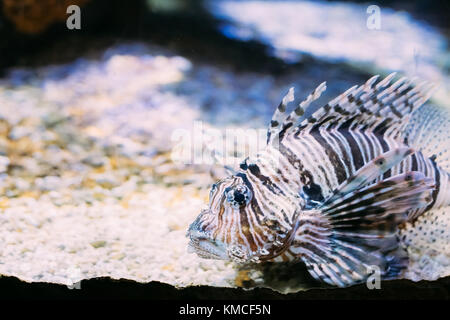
371,171
341,241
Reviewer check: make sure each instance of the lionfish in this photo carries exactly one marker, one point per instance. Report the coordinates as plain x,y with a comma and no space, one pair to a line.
362,182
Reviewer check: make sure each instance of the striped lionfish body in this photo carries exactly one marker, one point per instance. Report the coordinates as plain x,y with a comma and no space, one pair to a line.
339,189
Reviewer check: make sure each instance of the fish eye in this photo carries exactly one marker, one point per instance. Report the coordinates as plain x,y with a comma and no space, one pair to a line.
238,196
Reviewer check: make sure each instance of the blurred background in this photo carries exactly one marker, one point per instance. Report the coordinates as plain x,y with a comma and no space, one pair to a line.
87,116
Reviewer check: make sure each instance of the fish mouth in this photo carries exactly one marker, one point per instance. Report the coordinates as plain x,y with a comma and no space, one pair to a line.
206,247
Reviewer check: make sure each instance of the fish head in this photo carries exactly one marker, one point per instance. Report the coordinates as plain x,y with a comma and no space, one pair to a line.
229,228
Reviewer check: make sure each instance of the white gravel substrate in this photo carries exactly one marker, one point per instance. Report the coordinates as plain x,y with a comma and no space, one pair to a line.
142,240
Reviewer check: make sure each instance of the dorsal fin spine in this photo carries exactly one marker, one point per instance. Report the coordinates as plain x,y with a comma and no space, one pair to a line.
383,83
385,106
277,118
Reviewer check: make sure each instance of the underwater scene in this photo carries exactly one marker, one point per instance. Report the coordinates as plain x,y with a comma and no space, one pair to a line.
233,148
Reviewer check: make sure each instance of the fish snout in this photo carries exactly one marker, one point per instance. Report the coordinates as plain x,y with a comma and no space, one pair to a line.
202,242
206,247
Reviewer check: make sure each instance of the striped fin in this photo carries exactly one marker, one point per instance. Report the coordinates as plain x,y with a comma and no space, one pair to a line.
277,118
371,171
355,233
282,125
372,106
